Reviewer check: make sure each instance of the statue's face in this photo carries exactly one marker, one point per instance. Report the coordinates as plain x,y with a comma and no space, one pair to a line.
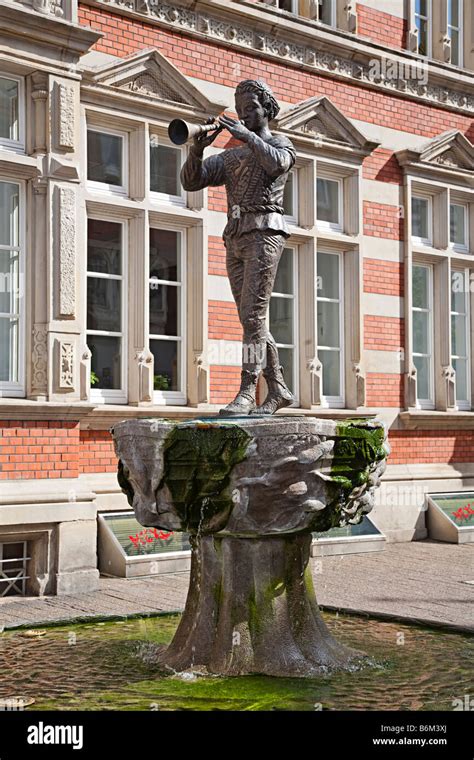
250,111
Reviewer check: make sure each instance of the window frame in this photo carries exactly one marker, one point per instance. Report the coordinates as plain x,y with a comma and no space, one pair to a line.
428,404
172,398
293,218
104,187
154,195
459,29
17,146
429,29
17,389
295,345
336,402
464,248
109,395
415,238
331,226
294,7
332,23
464,405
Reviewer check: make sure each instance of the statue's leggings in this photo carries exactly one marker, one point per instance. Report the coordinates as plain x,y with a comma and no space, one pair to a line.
252,262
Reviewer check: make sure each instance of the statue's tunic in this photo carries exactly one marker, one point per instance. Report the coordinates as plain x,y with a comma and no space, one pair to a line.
254,176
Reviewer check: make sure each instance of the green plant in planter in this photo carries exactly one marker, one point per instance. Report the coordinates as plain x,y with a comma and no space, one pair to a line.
160,383
94,378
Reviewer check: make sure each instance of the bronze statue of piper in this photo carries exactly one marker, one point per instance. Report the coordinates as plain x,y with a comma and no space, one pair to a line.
254,175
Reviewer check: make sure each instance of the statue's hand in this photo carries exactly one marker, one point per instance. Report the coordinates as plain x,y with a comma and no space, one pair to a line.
207,138
235,127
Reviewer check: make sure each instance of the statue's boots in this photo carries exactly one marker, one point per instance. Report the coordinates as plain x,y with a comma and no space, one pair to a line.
279,395
244,402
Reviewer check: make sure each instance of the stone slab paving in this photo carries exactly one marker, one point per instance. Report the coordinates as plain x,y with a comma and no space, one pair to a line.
423,581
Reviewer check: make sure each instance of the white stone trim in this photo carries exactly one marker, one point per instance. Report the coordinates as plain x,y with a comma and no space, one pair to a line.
218,288
381,305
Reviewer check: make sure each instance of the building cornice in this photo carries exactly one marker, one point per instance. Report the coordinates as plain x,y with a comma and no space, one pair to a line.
51,36
305,44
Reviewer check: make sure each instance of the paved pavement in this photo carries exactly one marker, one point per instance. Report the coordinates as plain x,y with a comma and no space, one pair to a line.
424,581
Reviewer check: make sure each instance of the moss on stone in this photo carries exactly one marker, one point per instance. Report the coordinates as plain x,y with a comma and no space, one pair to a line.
358,447
198,461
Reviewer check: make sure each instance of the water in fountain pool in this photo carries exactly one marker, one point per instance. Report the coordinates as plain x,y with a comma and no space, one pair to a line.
113,667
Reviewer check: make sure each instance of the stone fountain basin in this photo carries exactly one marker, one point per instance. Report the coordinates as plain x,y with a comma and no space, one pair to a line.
250,476
250,491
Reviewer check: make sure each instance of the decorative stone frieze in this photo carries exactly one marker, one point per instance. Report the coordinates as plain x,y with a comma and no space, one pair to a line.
244,35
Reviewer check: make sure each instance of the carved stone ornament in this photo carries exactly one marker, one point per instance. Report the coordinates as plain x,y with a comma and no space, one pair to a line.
149,84
66,365
50,7
67,251
39,359
66,116
244,36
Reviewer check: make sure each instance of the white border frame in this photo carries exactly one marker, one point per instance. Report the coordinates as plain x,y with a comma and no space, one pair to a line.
156,197
108,395
333,226
103,187
456,246
18,389
459,29
16,146
420,402
293,219
332,23
429,29
295,346
336,402
464,405
170,398
415,238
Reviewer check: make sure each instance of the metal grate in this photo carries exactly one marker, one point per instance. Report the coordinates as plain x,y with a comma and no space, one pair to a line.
13,568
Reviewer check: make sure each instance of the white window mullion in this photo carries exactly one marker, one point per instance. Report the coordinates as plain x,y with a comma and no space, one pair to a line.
423,23
12,296
423,339
330,326
282,317
168,347
107,309
460,336
455,30
12,113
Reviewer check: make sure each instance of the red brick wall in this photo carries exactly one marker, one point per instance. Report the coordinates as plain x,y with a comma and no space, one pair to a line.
216,199
383,221
382,165
381,27
383,333
96,452
431,446
224,321
384,389
216,256
384,277
225,382
38,450
194,57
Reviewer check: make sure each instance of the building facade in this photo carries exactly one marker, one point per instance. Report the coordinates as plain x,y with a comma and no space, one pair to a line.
114,300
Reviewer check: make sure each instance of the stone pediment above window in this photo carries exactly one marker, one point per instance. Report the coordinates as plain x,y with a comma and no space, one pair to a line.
317,121
449,153
152,76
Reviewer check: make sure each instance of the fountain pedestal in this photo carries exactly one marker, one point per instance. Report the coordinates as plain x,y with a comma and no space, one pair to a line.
250,491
